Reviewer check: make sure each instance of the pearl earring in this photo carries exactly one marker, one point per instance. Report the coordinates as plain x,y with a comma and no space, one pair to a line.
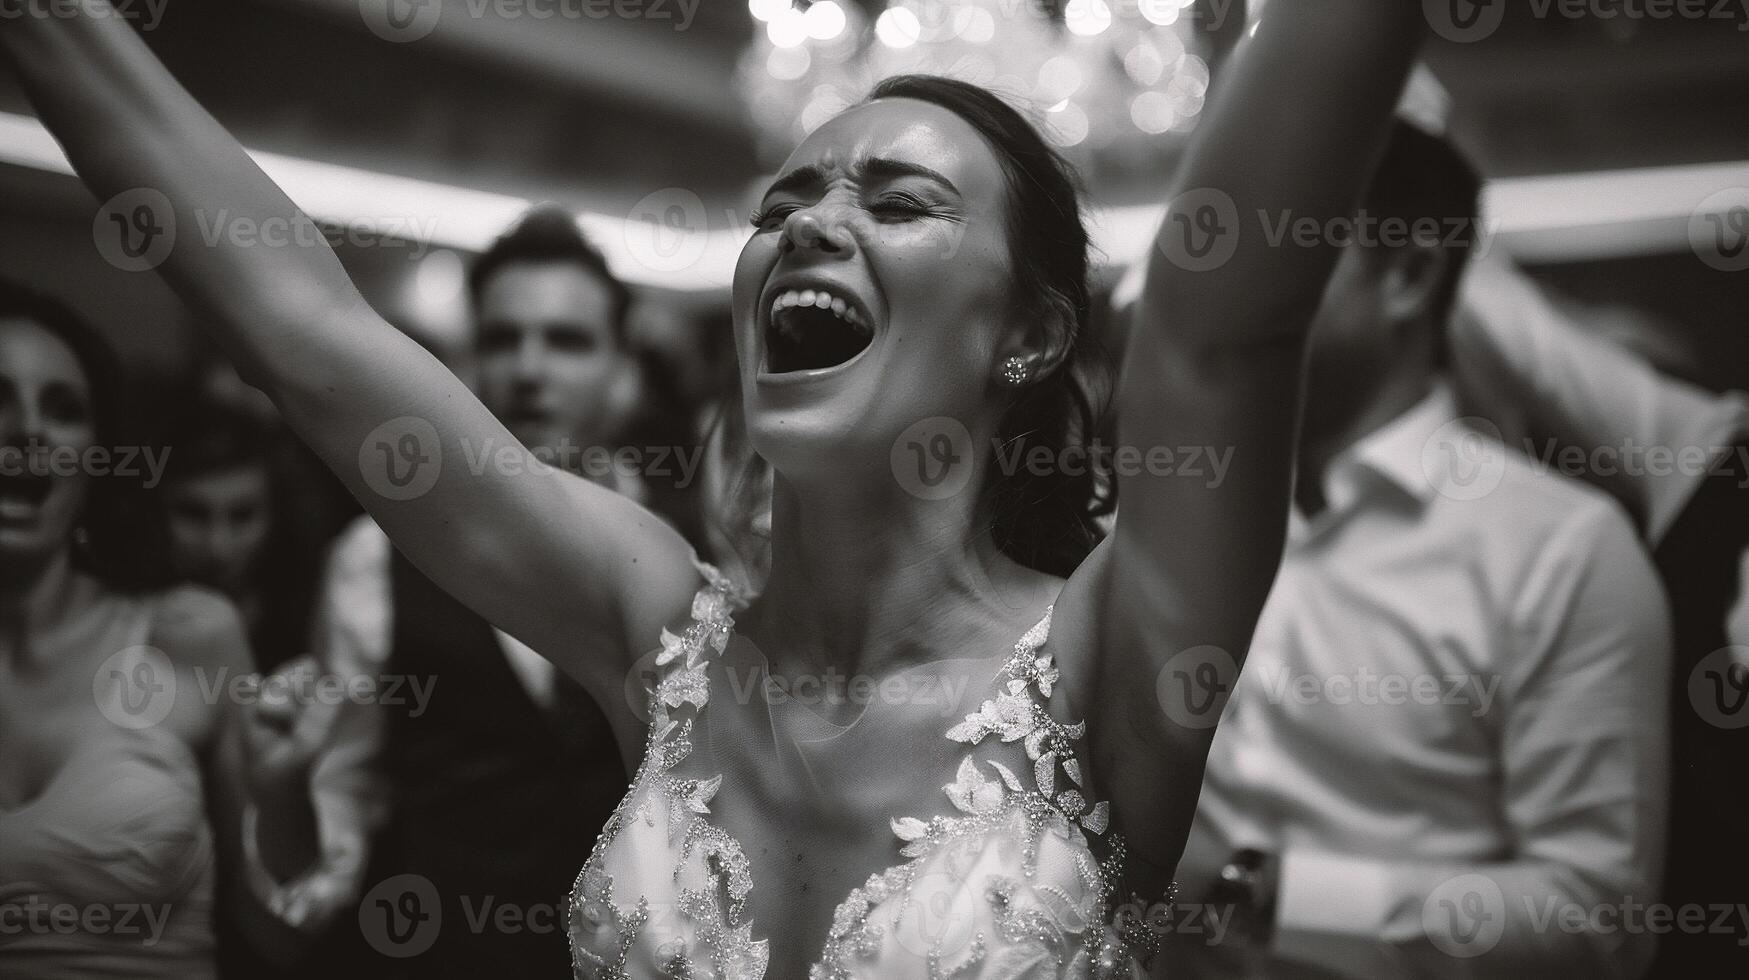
1015,371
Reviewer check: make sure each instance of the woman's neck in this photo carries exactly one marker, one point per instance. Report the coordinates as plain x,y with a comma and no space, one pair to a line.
34,598
872,584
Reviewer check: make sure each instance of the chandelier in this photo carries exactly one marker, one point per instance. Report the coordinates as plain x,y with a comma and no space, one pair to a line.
1105,80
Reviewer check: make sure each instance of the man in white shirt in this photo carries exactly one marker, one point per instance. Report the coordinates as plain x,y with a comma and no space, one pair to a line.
1450,737
1676,456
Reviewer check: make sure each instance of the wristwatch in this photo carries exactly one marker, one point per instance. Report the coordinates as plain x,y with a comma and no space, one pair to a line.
1247,883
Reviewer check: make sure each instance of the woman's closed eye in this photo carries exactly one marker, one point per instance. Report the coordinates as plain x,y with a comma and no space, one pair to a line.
887,206
897,205
771,218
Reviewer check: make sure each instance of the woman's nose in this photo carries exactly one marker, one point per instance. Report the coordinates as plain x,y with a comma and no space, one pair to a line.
20,423
817,229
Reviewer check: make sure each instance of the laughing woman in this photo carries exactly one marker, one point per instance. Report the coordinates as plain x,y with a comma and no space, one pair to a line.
762,834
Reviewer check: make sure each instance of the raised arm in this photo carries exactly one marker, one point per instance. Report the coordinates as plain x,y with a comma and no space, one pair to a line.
1513,351
551,559
1214,365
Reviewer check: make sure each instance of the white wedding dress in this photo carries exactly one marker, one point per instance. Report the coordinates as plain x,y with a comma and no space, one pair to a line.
1016,877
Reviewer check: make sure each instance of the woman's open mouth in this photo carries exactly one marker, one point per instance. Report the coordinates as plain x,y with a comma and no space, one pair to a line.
21,493
812,329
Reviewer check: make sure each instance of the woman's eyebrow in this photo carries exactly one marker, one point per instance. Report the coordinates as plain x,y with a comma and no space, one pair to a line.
877,168
807,175
885,168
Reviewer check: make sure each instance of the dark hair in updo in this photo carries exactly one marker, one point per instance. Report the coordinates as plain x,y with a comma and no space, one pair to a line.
1044,521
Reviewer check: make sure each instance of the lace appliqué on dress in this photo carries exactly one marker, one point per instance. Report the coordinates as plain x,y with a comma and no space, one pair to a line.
1052,924
718,914
1018,855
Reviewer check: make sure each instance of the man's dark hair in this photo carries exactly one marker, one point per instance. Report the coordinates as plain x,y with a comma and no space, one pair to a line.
1424,178
549,233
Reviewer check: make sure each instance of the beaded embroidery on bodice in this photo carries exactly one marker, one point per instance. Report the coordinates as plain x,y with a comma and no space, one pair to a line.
1006,887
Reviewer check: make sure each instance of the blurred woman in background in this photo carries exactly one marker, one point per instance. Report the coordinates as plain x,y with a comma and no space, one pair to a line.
121,784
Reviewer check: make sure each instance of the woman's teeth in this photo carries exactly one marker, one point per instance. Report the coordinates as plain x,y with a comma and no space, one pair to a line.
811,329
819,299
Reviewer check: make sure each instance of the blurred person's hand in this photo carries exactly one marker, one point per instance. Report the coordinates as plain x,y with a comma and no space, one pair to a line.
285,726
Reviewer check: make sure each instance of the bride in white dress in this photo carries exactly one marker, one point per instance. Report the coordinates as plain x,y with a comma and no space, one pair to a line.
910,298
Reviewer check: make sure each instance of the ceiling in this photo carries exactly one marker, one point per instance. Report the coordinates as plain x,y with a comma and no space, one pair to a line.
599,112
